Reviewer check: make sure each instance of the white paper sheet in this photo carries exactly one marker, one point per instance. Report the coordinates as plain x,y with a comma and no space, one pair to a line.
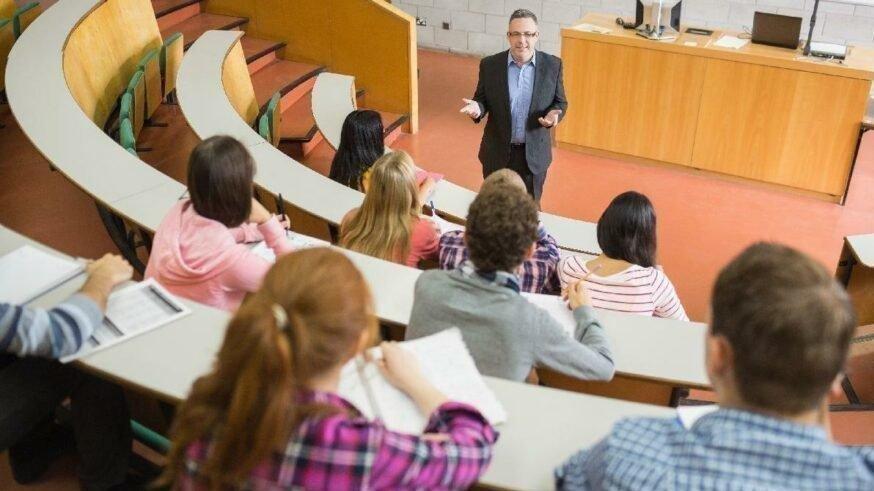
732,42
298,241
28,272
688,415
445,362
132,311
445,225
556,307
586,27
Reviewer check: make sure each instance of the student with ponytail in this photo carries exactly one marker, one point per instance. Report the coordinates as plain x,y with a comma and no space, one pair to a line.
268,416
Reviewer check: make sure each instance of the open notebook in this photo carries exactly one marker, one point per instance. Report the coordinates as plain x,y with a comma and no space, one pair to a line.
298,241
445,362
28,272
131,311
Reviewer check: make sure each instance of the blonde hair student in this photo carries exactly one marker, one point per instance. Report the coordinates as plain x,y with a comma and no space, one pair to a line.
268,415
388,224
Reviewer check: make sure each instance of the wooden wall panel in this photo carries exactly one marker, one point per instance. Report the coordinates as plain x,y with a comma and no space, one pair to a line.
369,39
7,39
7,8
631,100
778,125
238,84
102,53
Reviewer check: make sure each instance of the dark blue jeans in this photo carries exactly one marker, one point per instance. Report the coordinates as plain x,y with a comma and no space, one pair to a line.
30,391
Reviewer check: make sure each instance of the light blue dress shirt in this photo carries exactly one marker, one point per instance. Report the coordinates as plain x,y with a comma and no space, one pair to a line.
726,450
521,84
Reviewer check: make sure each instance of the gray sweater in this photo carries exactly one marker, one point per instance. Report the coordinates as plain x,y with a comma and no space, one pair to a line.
504,332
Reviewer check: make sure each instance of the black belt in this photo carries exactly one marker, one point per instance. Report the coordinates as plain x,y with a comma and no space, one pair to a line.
517,145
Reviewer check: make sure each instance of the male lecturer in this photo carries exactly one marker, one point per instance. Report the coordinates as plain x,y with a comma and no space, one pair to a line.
522,92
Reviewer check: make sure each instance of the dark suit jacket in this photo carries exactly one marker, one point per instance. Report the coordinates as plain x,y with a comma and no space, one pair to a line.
493,96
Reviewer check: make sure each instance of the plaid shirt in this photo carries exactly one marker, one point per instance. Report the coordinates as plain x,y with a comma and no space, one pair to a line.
537,275
725,450
346,451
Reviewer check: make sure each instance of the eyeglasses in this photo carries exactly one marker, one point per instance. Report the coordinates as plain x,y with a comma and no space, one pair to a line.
526,35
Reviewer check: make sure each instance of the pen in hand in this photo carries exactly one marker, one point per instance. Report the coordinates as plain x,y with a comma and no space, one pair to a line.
280,207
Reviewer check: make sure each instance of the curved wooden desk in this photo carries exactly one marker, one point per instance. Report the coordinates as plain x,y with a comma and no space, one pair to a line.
333,98
856,272
529,448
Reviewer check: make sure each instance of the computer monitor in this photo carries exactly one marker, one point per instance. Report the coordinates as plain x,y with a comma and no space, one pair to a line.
658,18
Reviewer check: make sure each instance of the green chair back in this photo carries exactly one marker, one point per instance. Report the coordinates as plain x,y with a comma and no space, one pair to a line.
126,136
264,128
126,107
171,57
274,118
150,66
23,17
137,89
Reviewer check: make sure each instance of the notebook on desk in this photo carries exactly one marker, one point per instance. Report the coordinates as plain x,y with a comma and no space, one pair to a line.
445,362
131,311
28,272
782,31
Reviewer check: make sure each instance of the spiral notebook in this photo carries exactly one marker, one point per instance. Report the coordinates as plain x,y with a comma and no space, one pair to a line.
445,362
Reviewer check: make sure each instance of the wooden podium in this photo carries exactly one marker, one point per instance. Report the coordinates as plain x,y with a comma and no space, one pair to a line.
758,112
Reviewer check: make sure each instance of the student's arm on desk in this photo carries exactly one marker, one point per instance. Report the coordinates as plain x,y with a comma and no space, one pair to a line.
587,356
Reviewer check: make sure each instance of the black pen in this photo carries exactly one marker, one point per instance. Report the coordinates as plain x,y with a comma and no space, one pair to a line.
280,207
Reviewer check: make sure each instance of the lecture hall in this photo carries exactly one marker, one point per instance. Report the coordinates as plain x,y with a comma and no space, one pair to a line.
436,244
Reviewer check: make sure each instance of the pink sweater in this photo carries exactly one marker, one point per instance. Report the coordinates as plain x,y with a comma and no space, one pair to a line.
202,260
637,290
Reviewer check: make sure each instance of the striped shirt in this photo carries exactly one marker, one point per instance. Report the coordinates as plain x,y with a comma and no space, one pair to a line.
51,333
344,451
536,275
726,450
637,290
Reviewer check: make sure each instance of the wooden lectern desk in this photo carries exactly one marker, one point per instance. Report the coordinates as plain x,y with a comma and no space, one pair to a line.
758,112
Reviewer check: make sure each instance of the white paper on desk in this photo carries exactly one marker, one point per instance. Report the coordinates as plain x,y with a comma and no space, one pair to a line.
732,42
688,415
298,241
592,28
131,311
445,362
445,225
556,307
28,272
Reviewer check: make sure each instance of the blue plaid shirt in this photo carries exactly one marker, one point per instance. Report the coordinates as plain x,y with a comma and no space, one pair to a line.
725,450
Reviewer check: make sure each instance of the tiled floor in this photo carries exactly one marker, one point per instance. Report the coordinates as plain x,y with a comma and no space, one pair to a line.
704,220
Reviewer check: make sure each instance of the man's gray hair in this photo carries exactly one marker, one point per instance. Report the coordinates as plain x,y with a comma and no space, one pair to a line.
523,14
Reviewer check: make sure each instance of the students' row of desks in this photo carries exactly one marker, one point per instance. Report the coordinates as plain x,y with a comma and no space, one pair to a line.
209,112
544,425
856,272
665,351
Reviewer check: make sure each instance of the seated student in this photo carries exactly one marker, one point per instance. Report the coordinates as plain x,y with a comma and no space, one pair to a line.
625,278
33,385
537,274
269,416
388,224
778,341
198,251
505,333
361,144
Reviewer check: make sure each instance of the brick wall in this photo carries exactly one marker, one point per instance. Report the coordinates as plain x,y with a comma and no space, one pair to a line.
480,26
